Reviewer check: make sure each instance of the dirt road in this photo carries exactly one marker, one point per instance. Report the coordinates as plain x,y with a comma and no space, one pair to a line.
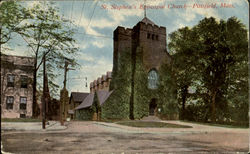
93,137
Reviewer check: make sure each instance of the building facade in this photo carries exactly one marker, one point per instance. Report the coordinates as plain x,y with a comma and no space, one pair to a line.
102,83
140,86
141,82
146,35
76,98
16,86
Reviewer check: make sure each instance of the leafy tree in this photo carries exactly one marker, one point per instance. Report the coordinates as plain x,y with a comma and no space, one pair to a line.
183,47
48,34
220,51
167,92
211,52
237,93
12,15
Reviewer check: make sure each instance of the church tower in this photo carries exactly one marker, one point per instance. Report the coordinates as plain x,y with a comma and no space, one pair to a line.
146,44
152,39
145,35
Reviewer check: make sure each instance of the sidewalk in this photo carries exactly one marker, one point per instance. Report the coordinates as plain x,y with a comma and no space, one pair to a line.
32,126
196,128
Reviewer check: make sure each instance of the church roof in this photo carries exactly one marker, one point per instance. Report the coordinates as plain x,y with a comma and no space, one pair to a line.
88,101
78,96
147,21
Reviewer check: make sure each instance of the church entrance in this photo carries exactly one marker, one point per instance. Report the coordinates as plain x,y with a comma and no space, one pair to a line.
152,107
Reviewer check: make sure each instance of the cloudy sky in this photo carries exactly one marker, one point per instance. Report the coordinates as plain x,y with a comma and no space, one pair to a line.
95,22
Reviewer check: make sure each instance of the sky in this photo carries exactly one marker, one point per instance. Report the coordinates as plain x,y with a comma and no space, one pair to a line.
95,21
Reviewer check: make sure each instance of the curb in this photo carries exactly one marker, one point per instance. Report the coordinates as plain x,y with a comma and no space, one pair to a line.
150,132
35,128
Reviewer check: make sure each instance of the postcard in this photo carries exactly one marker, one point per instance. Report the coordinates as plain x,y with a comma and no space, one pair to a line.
124,76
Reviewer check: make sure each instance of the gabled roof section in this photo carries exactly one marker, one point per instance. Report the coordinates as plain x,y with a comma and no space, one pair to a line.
88,101
78,96
103,95
147,21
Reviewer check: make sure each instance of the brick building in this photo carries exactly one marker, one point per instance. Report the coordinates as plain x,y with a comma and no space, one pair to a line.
16,86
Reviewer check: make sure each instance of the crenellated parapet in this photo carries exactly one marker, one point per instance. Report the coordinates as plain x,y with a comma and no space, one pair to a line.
102,83
119,31
150,27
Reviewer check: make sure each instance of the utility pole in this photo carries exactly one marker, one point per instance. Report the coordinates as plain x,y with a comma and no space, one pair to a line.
62,99
1,79
44,92
64,93
248,79
65,74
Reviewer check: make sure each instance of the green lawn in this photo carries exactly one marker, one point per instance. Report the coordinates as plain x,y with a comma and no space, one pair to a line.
20,120
214,124
150,124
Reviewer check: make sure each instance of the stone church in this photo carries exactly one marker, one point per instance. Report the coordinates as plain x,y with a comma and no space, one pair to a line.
146,45
141,85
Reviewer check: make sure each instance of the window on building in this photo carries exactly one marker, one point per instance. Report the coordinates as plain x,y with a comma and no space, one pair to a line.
153,79
10,80
148,36
22,115
23,103
24,81
9,102
156,37
153,37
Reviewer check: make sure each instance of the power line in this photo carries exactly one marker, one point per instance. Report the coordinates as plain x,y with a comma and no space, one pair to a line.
90,18
80,77
77,79
81,12
71,12
103,36
85,33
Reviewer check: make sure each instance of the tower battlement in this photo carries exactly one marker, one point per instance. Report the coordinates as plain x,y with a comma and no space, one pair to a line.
150,27
145,34
123,31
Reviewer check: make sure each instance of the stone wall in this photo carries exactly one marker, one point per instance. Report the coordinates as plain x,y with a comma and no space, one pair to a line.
102,83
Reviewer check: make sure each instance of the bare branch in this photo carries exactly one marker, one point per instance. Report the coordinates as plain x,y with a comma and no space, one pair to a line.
29,44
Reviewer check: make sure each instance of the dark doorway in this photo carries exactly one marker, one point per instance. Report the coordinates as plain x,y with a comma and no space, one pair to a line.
152,107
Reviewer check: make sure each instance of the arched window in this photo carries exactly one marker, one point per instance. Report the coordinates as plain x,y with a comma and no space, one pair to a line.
152,79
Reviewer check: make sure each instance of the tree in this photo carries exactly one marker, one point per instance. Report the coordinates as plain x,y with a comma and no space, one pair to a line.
12,14
220,52
47,34
183,47
167,92
213,50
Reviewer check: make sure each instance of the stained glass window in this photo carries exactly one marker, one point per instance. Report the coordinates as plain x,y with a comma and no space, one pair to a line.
152,79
